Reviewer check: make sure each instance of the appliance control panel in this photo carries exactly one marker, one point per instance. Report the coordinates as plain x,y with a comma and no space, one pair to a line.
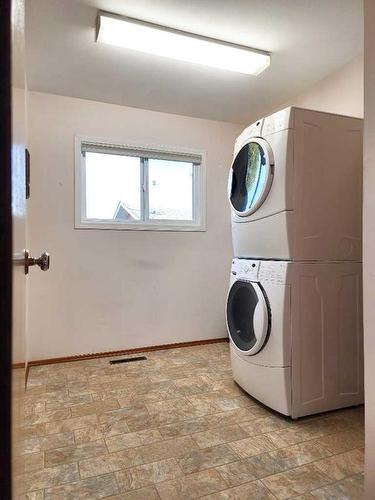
246,269
260,270
253,130
273,272
281,120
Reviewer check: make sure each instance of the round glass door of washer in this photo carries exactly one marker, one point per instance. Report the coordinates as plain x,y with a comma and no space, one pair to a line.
248,317
250,177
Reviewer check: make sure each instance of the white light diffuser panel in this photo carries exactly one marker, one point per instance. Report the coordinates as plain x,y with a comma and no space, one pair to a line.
165,42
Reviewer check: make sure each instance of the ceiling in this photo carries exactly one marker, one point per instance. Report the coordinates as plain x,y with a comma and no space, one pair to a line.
308,39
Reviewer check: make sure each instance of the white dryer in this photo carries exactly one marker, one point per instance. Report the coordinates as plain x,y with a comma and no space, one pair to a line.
296,334
295,187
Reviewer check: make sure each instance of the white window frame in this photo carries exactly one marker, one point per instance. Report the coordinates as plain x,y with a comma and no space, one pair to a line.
149,151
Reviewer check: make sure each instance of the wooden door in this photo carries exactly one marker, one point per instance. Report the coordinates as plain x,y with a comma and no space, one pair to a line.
12,245
18,239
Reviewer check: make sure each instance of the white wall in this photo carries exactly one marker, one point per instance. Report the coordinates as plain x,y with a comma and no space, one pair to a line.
341,92
111,290
369,245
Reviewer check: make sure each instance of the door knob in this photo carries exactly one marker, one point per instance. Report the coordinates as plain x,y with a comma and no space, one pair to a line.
43,261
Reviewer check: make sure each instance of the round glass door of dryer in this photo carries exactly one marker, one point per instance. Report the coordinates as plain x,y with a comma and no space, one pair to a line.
248,317
250,177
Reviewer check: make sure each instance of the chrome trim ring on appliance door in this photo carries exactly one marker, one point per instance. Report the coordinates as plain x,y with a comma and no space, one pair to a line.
248,317
250,176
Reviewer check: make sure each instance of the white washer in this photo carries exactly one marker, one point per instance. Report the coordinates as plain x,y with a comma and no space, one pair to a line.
295,187
296,334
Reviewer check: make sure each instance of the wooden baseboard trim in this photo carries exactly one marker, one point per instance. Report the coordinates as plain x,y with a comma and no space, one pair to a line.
15,366
123,352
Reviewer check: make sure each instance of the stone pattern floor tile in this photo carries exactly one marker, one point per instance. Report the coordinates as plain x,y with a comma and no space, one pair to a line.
219,435
191,486
51,476
343,441
95,487
299,454
350,488
132,439
178,427
257,444
56,440
148,474
34,495
254,490
343,465
73,453
34,461
208,457
110,463
295,481
148,493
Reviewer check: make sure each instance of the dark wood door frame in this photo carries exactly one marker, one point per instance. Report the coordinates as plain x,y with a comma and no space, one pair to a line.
5,249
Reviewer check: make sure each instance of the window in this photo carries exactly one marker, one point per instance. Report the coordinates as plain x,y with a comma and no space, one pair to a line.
132,187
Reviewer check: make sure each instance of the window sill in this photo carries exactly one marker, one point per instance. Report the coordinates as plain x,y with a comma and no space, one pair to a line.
141,227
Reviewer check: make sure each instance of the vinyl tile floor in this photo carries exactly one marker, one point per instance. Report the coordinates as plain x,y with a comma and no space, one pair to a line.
176,427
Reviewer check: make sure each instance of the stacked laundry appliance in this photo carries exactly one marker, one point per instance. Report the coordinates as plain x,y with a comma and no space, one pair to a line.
294,307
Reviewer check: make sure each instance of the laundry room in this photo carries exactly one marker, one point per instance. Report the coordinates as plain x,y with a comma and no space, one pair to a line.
188,292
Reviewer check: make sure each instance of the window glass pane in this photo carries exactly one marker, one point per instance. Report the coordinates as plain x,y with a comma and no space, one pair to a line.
113,187
170,190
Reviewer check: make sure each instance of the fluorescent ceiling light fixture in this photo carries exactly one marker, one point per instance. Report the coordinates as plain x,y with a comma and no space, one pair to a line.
166,42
